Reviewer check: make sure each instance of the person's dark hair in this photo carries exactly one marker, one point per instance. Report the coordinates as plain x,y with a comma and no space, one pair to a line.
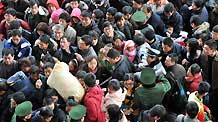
112,10
75,63
34,69
147,7
128,76
48,101
51,92
3,86
168,41
33,2
215,29
211,44
204,87
46,112
65,16
87,39
86,13
139,39
74,0
93,34
68,39
195,19
106,24
169,7
16,32
81,74
149,34
198,3
113,53
11,11
98,13
90,79
192,109
114,84
174,57
114,112
127,10
193,45
90,58
45,39
157,110
48,58
42,26
139,1
195,68
7,51
48,65
24,62
19,97
118,16
14,25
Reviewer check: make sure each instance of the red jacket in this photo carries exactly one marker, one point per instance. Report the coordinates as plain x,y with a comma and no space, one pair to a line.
92,101
195,81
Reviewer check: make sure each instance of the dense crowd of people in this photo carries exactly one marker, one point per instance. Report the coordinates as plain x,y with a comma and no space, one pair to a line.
109,61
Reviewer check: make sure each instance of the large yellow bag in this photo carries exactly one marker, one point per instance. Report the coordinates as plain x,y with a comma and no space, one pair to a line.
65,83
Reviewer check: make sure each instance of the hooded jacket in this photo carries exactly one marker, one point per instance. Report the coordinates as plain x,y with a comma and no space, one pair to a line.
92,101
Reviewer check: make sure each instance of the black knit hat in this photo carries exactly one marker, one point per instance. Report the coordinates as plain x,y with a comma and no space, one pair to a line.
90,79
113,53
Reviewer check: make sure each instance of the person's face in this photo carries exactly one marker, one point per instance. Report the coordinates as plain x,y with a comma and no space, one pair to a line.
127,16
208,51
74,4
94,41
64,44
168,14
168,62
166,48
92,65
71,66
128,83
45,119
86,21
58,34
47,71
113,61
16,39
214,36
43,45
51,106
149,59
75,20
34,9
68,108
109,16
9,17
40,33
109,31
194,7
117,43
51,8
136,5
34,76
8,59
63,22
13,104
82,45
121,22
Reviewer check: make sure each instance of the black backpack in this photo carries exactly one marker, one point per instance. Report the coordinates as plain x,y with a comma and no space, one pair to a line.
176,99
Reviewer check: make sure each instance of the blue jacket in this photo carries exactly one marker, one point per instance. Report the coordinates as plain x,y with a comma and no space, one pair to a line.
23,49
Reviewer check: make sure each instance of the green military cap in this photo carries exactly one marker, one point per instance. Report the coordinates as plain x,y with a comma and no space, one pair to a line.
148,76
23,109
77,112
139,16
